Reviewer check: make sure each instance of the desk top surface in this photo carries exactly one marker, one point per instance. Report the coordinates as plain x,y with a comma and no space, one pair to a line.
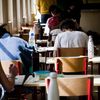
45,49
26,27
95,59
51,60
31,81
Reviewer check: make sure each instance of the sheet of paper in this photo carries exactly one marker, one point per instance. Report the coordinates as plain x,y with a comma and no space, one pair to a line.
31,80
19,79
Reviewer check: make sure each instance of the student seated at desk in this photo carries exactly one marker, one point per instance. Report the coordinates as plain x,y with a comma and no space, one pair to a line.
7,84
14,48
54,21
70,37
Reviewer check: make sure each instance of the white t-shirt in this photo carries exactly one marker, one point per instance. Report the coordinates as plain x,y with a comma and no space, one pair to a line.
54,33
71,39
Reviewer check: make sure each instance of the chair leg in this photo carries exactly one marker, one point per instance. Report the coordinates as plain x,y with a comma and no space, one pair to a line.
63,98
82,97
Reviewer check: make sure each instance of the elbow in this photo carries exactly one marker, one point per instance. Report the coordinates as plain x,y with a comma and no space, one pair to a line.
10,88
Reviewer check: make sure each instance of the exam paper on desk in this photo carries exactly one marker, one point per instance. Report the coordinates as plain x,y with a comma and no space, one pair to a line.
19,79
32,81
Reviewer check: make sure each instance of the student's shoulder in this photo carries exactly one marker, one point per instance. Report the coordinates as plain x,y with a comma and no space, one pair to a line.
18,39
80,32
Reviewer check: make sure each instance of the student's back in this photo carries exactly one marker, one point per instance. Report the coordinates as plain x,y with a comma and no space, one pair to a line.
70,37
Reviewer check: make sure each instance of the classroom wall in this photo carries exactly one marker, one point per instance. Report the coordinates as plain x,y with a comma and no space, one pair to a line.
90,20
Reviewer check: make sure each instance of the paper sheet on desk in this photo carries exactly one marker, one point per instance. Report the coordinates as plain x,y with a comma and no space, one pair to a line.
19,79
30,80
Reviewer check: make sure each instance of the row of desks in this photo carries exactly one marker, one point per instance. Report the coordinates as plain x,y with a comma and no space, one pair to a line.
93,61
32,82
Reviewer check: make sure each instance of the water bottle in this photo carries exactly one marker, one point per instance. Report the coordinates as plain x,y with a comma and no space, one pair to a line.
31,39
52,87
90,47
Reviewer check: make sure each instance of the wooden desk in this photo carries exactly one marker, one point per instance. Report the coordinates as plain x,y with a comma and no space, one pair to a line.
95,60
48,60
30,82
51,60
26,28
45,53
97,84
42,42
45,49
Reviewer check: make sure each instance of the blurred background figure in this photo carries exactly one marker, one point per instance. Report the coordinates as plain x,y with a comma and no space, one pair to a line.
52,24
54,21
43,8
71,8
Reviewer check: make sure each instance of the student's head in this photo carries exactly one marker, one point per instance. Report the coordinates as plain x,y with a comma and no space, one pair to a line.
3,30
68,24
53,10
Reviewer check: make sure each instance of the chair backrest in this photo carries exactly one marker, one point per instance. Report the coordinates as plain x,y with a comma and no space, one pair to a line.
6,63
63,52
71,65
24,36
75,86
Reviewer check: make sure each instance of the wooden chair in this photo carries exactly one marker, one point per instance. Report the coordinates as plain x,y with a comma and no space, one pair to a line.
63,52
76,86
71,65
24,36
6,63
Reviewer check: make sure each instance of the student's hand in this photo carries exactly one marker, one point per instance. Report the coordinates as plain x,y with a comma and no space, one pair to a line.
13,70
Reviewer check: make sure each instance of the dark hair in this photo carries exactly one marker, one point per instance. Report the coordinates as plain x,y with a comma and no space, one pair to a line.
54,9
3,30
68,24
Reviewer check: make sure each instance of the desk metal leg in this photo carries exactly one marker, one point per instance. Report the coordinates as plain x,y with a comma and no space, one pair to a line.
34,95
39,93
99,86
91,69
99,68
98,92
43,91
